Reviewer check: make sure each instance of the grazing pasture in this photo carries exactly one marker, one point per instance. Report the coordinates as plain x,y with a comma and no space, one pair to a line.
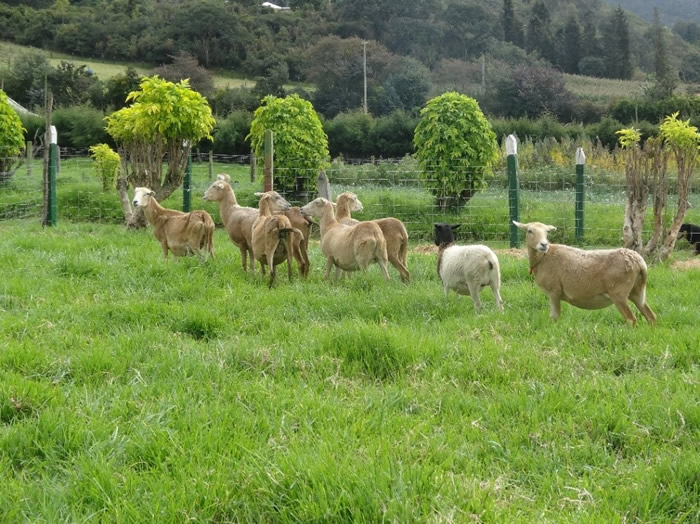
137,388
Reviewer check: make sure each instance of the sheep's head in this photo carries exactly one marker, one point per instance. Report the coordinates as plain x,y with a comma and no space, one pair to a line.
444,233
142,196
536,235
215,192
224,177
350,200
274,200
316,207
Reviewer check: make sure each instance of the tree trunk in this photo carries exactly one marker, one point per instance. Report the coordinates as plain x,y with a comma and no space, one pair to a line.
134,219
636,176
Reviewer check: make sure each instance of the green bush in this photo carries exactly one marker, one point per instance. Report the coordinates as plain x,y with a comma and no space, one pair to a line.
230,133
80,127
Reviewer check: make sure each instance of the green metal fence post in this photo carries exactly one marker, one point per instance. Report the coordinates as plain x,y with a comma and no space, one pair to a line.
580,192
269,160
513,189
187,186
52,208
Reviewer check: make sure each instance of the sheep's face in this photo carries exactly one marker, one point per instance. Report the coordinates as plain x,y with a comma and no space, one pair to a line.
444,233
350,200
276,201
536,235
142,196
215,191
316,207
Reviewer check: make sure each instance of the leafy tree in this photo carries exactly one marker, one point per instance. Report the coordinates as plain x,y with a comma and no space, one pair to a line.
455,147
572,46
539,33
300,144
469,28
512,29
334,65
164,120
25,79
230,133
616,48
70,84
273,82
665,80
405,89
11,139
120,85
107,163
185,66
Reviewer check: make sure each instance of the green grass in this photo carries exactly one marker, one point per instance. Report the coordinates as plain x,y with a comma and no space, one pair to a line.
136,388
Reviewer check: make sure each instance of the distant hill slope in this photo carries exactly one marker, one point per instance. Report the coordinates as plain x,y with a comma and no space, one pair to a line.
670,11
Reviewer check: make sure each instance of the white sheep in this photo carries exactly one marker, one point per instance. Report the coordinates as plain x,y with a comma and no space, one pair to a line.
587,279
393,229
274,238
466,269
347,247
181,233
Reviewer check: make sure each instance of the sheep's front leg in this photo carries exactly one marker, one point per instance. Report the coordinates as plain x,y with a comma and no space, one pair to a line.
244,259
164,247
329,265
554,306
626,312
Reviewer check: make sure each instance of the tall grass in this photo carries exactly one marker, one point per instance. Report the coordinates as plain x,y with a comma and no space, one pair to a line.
136,388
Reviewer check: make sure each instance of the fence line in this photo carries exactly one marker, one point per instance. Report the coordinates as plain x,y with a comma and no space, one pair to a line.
386,188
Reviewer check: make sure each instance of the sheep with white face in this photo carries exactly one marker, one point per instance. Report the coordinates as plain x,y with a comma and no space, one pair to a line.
587,279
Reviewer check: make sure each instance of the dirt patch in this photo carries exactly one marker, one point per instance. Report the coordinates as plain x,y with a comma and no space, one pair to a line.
683,265
429,249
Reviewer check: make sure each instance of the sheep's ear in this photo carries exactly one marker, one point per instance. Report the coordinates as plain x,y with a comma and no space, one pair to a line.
258,194
551,228
518,224
455,227
151,193
221,177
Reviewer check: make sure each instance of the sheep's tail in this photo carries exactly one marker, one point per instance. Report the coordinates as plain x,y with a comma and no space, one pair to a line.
403,249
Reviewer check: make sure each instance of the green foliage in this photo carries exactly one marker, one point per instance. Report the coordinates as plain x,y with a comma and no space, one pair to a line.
162,110
107,165
185,66
629,137
80,126
300,144
455,146
11,138
680,134
165,118
230,133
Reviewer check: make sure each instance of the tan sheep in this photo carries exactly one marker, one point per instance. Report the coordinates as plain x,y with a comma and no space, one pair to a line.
238,221
348,248
394,231
274,238
178,232
587,279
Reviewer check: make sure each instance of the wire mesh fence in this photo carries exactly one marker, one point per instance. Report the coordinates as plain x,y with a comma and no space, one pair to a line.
386,187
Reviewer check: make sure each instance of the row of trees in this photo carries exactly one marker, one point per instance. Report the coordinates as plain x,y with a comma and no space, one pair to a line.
244,37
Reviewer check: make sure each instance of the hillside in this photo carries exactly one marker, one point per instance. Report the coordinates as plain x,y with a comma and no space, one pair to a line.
670,11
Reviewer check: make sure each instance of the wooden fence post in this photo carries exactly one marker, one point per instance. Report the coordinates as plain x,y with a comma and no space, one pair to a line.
513,189
187,186
211,164
52,210
324,186
253,166
269,160
580,192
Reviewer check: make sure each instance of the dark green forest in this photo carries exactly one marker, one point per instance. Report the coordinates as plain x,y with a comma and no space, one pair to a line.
511,55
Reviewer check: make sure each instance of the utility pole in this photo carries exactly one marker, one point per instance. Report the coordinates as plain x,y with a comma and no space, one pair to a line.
364,73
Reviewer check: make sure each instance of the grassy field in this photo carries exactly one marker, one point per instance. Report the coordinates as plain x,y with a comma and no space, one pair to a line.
105,69
136,388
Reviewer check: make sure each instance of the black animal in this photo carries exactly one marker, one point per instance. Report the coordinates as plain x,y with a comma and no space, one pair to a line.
692,233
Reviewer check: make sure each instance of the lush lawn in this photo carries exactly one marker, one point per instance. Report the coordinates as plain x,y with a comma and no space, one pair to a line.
136,388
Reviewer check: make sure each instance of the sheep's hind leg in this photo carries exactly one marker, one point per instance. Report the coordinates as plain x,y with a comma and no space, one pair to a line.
639,300
497,296
474,292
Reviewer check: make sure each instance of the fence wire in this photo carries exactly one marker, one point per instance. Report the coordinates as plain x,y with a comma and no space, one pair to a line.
386,188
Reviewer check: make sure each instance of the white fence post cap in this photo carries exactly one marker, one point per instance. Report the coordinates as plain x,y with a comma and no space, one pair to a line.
511,145
580,157
54,135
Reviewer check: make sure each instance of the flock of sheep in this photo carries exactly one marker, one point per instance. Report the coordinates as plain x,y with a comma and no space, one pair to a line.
277,232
